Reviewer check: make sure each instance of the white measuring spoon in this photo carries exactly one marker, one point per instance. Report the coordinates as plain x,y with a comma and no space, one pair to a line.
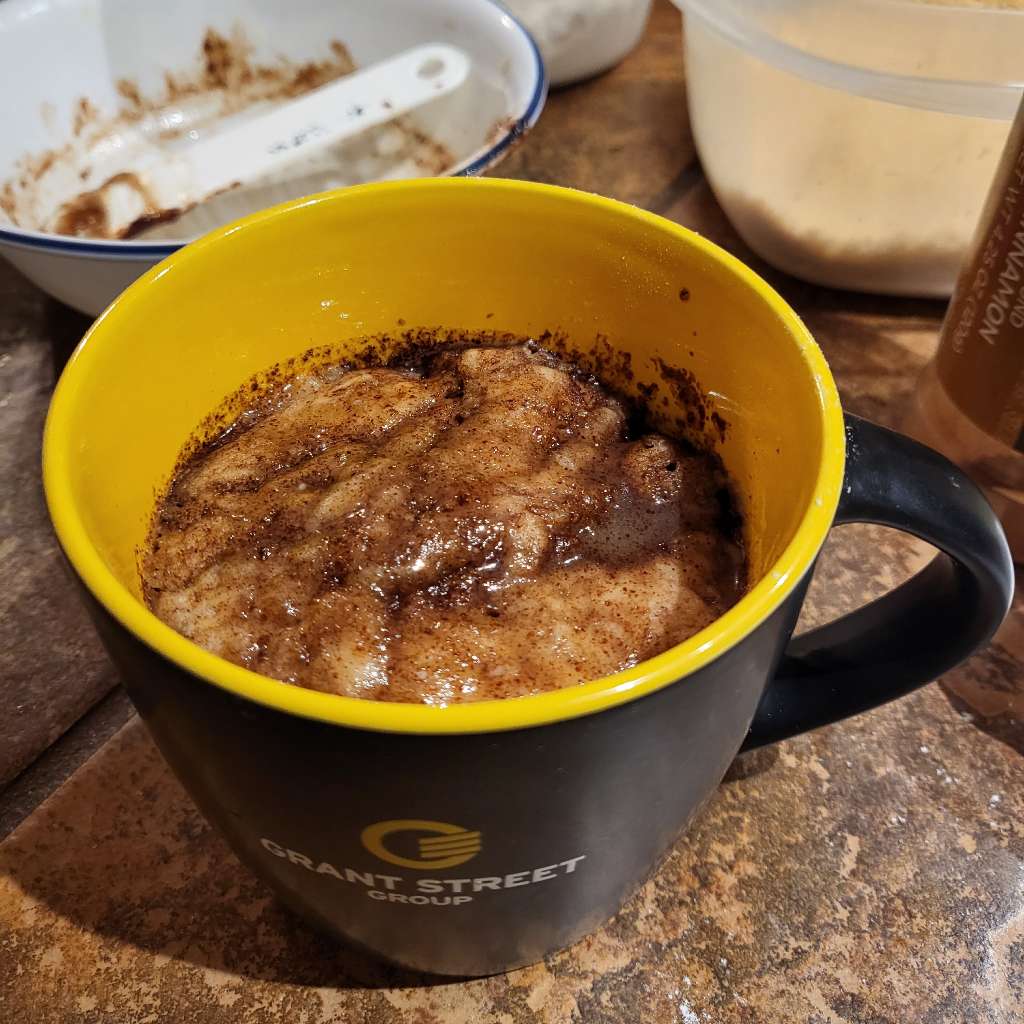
166,186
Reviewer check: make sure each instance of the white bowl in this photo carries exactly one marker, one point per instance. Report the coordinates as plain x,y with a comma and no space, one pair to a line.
57,53
582,38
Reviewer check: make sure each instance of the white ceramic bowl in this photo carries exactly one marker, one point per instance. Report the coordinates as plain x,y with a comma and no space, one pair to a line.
55,53
582,38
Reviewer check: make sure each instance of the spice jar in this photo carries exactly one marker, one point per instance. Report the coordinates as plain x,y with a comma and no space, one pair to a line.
970,401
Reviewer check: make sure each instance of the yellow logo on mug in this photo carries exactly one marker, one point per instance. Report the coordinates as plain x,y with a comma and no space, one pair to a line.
444,847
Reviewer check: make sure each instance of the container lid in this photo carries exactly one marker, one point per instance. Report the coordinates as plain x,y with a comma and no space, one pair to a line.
956,60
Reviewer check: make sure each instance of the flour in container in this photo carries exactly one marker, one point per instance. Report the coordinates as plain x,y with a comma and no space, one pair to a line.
841,188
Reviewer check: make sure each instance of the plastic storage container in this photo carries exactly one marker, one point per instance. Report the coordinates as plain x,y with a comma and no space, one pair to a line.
852,144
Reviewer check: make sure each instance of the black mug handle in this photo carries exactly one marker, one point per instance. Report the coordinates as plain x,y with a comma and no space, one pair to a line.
921,629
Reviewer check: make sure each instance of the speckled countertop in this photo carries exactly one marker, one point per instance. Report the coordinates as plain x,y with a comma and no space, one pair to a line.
869,873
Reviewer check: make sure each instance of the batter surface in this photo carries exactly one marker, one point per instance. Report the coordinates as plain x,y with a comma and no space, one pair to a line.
484,524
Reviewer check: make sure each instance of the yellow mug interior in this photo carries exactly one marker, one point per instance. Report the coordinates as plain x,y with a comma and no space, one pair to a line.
457,253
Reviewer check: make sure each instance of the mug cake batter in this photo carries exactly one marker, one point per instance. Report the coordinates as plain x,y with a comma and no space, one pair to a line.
485,523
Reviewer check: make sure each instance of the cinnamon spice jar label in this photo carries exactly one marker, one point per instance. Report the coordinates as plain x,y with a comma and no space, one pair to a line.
980,361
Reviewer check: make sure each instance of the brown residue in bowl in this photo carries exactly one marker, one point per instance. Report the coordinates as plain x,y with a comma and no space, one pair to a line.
7,203
85,113
506,127
227,65
85,216
129,90
225,71
500,129
219,59
435,158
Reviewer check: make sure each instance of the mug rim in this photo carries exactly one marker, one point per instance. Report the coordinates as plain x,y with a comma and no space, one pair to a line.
672,665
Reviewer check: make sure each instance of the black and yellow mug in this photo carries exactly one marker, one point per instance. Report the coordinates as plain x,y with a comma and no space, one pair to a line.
472,839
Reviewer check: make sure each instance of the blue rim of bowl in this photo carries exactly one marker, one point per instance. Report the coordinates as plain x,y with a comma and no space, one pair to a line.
128,250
